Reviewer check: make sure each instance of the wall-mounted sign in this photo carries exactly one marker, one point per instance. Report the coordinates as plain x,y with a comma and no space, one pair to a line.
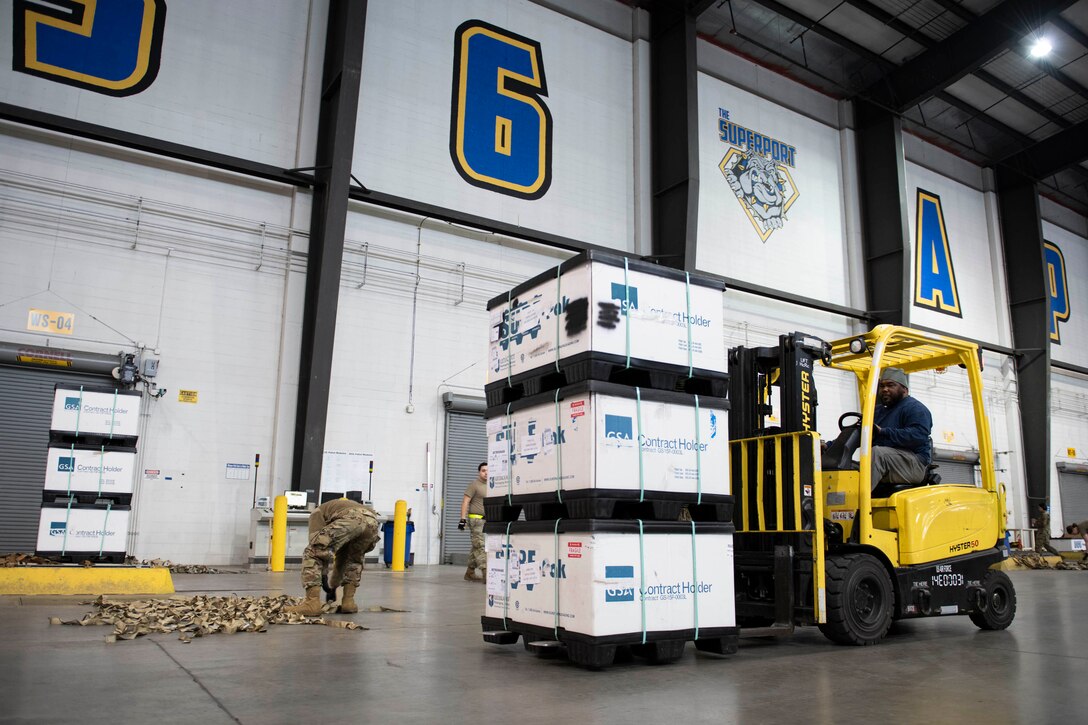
1071,452
57,323
188,396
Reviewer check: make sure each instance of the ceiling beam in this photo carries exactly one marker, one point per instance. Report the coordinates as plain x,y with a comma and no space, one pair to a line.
916,35
1065,149
962,52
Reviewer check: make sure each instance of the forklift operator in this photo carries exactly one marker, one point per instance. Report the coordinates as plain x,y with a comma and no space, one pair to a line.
902,448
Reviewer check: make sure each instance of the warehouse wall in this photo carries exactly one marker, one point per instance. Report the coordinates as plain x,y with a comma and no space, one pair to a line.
209,268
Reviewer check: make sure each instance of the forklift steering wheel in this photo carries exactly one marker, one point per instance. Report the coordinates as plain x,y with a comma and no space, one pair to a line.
844,416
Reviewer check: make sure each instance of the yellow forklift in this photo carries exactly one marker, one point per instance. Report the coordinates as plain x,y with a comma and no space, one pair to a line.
816,543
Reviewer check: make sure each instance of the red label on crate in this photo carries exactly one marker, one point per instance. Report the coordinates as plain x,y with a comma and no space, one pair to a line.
574,549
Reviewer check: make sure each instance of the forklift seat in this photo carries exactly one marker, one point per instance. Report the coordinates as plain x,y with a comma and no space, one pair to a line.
884,489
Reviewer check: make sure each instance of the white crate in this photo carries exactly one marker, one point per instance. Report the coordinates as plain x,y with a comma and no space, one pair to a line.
592,439
590,308
603,581
86,469
95,411
82,529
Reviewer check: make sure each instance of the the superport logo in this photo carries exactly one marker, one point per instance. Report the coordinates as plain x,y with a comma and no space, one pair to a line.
618,426
963,546
620,591
71,403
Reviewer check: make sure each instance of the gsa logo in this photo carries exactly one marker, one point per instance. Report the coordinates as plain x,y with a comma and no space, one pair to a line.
66,464
618,426
71,403
713,426
57,528
627,296
490,600
620,592
107,46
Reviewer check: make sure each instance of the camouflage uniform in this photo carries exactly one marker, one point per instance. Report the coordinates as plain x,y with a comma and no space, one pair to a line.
476,492
1042,534
342,530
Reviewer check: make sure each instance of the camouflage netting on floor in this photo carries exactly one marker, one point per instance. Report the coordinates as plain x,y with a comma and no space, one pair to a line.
19,559
24,560
1037,561
197,616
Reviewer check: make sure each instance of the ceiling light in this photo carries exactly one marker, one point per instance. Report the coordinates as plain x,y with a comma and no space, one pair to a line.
1041,48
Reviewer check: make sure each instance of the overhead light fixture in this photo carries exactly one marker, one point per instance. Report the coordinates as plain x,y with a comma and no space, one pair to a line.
1041,48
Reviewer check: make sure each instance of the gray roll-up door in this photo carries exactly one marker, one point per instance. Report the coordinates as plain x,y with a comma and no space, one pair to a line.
956,471
26,409
1074,488
466,449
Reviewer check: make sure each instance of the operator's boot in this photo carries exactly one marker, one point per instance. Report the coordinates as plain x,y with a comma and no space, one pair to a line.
347,604
311,607
470,575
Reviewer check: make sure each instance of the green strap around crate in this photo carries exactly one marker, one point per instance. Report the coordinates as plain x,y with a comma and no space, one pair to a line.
558,452
71,469
698,457
67,520
627,312
638,442
105,521
555,579
113,413
687,295
558,311
510,458
506,580
79,412
101,468
694,580
642,578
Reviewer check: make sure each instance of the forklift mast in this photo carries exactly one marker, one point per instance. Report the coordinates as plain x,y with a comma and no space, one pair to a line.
753,371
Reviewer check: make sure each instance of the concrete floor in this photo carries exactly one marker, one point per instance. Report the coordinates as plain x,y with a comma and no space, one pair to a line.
430,665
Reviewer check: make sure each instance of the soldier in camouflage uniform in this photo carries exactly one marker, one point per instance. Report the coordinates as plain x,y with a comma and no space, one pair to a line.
472,515
1042,532
341,533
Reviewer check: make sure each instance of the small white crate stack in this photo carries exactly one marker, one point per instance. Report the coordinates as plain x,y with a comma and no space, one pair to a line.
607,421
90,470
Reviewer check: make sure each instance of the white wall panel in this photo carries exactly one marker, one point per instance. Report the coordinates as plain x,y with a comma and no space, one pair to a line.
1073,331
403,139
973,246
230,80
375,372
1068,433
804,250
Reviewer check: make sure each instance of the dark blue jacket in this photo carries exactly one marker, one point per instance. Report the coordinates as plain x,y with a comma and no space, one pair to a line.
906,425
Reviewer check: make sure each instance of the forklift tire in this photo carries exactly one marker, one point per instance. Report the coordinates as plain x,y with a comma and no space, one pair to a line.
859,600
998,602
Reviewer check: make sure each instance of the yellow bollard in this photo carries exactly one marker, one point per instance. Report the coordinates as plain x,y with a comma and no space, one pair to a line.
278,550
400,531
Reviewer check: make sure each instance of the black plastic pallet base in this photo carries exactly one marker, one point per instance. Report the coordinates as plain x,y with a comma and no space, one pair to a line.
85,497
599,652
610,368
77,557
60,438
608,504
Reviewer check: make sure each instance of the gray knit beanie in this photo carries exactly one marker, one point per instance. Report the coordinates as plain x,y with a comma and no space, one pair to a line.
895,375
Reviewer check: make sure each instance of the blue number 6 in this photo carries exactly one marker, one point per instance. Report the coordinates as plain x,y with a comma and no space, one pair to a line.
107,46
500,128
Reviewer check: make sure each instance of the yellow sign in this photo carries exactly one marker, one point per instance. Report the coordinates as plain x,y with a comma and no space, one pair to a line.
187,396
44,356
949,436
1071,452
58,323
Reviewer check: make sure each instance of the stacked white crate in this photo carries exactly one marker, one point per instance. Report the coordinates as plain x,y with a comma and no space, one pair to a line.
567,448
90,472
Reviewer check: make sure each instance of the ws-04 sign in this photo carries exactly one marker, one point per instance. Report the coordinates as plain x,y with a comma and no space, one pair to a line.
107,46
